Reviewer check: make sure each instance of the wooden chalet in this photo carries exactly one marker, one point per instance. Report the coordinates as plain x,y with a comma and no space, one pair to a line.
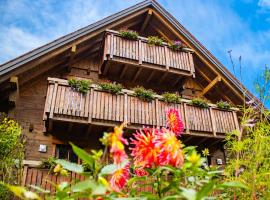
35,91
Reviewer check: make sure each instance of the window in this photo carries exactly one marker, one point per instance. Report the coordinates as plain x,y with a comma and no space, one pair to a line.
66,152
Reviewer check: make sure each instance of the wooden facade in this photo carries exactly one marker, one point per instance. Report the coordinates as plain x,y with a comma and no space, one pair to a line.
34,88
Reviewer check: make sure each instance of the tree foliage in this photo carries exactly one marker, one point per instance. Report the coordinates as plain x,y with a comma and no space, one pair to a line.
11,153
248,148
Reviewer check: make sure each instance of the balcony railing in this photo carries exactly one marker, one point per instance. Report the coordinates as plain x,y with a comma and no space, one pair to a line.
139,52
103,108
43,178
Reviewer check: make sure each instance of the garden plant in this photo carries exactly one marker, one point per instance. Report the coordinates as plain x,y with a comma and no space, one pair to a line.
158,160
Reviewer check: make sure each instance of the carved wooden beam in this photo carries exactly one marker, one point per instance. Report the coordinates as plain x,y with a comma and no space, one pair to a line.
214,143
188,139
150,77
14,94
70,126
123,71
209,80
210,85
163,77
137,74
71,58
174,84
202,141
160,33
147,19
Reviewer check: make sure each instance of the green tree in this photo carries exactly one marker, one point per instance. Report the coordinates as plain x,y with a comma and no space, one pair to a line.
11,153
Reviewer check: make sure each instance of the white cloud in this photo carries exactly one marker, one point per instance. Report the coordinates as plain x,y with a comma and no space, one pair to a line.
15,41
264,3
25,25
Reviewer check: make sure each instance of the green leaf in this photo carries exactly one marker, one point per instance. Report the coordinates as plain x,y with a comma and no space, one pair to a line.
189,194
83,154
108,169
166,168
136,178
172,197
233,184
22,192
70,166
130,198
62,186
84,185
39,189
99,190
205,190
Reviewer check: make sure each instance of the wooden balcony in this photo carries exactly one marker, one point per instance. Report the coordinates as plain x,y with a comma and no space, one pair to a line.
105,109
143,56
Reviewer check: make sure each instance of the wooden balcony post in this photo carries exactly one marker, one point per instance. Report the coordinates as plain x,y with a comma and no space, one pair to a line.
90,103
213,122
53,99
236,122
111,44
105,50
192,68
157,112
140,51
126,108
86,104
186,118
166,57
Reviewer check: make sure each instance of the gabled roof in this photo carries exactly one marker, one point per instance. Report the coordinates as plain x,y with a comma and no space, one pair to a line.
38,52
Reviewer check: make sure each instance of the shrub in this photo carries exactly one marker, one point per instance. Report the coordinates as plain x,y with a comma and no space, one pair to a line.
248,152
144,94
5,193
49,163
171,97
199,102
176,45
11,153
113,88
224,105
81,86
155,40
129,34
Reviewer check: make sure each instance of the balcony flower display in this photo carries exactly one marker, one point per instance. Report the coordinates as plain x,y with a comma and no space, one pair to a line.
177,45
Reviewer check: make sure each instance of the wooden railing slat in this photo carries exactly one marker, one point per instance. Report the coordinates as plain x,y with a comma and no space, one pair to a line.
126,108
53,100
213,122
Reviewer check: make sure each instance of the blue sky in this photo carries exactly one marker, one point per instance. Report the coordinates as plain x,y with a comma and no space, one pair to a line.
242,26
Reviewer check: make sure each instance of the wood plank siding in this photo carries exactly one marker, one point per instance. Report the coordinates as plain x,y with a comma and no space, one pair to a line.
140,53
65,104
